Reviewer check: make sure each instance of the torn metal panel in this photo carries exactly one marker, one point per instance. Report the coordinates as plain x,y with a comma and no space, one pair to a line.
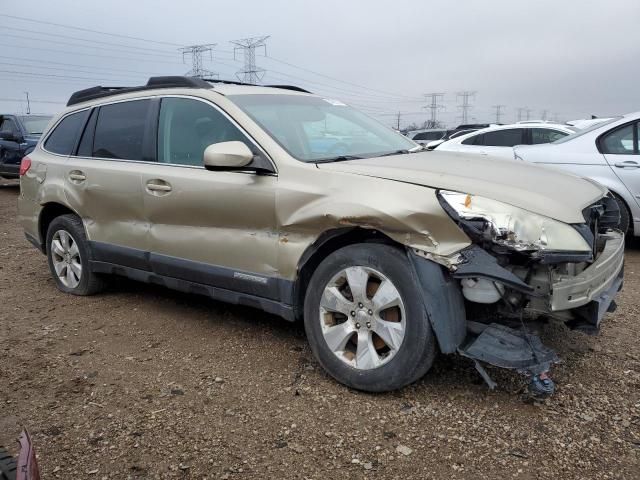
508,348
409,214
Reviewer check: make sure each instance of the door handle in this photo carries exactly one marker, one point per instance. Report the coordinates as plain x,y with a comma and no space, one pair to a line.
76,176
627,164
158,187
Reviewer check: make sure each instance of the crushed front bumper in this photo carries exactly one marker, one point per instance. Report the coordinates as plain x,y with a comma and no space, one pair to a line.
592,291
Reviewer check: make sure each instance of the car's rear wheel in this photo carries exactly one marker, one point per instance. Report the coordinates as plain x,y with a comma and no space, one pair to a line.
68,257
365,318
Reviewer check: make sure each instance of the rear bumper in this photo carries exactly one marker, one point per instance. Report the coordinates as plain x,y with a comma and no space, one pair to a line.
600,282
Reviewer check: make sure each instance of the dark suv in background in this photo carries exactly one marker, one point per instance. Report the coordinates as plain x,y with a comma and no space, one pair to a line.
18,137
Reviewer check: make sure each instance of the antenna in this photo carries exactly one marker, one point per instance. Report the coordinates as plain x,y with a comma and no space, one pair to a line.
250,73
195,52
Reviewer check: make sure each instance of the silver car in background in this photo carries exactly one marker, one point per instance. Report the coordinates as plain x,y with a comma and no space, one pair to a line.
608,153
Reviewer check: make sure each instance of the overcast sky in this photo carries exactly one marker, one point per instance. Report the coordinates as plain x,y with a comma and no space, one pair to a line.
572,58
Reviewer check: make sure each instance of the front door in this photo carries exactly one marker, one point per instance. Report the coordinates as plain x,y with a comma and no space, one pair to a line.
210,227
621,150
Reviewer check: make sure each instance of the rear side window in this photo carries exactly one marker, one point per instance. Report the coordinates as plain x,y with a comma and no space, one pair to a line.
545,135
621,141
63,138
502,138
8,127
428,136
120,130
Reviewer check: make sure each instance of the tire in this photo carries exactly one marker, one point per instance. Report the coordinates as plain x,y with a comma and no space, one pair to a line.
625,216
8,465
375,365
71,255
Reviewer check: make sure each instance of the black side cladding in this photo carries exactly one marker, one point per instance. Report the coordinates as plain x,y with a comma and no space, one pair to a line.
443,302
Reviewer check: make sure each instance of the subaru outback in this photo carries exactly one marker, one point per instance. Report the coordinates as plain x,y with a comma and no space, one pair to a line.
308,209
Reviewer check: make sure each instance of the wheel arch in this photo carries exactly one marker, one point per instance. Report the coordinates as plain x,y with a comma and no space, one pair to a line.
49,212
327,243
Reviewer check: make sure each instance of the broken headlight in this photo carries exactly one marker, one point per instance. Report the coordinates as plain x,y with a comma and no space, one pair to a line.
511,226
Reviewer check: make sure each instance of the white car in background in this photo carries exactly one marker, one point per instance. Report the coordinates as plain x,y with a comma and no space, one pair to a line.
607,152
500,140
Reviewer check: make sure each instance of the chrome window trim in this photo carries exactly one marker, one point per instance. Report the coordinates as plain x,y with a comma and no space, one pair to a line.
160,96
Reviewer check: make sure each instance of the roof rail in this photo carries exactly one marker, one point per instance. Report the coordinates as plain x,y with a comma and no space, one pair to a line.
153,82
235,82
161,82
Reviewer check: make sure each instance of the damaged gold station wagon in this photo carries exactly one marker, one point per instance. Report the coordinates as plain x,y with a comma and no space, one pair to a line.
308,209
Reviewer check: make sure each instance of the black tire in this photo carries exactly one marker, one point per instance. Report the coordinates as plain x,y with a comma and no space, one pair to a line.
418,349
625,216
8,465
89,282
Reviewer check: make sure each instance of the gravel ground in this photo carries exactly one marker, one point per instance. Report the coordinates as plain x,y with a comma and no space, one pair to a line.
142,382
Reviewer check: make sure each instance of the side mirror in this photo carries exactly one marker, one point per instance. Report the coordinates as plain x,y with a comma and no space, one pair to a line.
227,156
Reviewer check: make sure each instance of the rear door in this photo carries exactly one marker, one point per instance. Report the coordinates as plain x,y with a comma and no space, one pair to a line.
102,181
210,227
620,147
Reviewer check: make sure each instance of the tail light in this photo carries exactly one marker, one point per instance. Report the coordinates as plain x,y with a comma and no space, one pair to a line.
25,165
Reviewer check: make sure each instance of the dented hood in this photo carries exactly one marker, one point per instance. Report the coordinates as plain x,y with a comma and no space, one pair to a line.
536,189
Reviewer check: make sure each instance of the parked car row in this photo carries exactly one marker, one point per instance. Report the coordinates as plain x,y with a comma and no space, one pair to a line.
280,199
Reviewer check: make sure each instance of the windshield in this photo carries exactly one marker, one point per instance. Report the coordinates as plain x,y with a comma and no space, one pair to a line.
579,133
35,124
313,129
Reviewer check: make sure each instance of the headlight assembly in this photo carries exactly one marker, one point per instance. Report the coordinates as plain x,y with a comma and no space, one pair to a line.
511,226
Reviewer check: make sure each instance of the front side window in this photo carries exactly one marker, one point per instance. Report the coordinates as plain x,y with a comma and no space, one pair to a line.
63,138
314,129
621,141
187,127
120,130
503,138
545,135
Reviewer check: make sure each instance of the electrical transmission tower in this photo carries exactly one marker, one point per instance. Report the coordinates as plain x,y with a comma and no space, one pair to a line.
251,73
521,111
545,114
398,119
499,111
434,106
466,106
195,52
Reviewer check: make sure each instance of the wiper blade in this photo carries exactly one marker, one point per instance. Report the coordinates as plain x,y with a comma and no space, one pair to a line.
341,158
397,152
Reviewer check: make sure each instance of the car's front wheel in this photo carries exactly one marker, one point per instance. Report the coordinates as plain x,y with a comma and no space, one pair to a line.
365,318
68,257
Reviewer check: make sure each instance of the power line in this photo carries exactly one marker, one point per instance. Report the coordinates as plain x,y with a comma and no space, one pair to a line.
433,107
30,100
340,80
90,30
195,52
4,27
499,111
466,106
250,73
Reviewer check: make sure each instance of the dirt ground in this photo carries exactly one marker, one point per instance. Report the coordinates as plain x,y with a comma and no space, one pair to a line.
142,382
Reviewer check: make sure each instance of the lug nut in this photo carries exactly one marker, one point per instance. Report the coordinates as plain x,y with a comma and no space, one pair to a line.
370,312
353,314
360,305
368,325
357,325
